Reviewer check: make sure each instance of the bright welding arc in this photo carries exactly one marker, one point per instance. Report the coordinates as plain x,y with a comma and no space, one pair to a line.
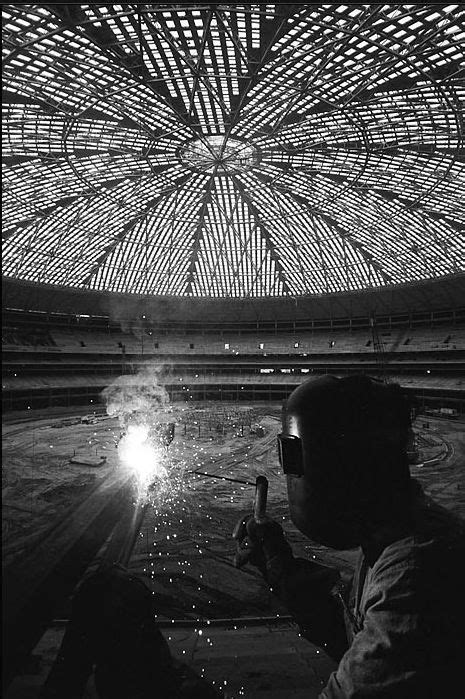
137,452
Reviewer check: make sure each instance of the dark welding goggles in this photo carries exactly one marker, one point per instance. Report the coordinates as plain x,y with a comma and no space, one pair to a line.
290,454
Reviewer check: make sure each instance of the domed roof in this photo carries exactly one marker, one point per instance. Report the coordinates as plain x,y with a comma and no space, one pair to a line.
232,150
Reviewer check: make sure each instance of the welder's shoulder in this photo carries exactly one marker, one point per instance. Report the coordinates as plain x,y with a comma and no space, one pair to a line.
431,556
423,574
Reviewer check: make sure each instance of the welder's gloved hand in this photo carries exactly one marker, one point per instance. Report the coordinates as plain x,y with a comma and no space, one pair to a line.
264,546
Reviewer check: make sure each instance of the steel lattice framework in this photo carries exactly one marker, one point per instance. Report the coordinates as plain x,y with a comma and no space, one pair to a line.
233,150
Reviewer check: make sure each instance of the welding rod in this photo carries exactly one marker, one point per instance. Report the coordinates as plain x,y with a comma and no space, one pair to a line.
261,494
221,478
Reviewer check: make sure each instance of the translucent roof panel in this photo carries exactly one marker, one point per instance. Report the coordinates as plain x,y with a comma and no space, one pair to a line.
233,150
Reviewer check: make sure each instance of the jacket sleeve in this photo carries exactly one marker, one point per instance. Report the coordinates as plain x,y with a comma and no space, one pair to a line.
385,657
306,589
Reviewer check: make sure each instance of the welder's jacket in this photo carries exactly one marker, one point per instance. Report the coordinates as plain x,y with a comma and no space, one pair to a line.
404,615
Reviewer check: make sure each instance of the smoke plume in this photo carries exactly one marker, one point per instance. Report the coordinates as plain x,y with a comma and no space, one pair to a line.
136,398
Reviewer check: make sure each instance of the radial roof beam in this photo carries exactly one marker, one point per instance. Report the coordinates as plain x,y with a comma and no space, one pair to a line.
266,234
127,228
271,30
345,235
73,16
194,68
283,218
286,115
244,244
198,234
200,61
347,238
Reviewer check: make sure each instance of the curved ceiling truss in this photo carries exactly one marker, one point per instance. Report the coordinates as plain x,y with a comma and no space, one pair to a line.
233,150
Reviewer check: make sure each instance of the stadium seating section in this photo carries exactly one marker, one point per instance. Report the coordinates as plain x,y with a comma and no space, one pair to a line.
68,360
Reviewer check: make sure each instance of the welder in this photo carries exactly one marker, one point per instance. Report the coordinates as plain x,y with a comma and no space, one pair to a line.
397,630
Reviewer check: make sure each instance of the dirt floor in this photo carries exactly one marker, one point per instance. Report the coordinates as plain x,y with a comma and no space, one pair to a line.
185,548
40,484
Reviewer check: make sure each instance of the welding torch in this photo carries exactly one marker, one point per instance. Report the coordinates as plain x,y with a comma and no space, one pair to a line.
259,510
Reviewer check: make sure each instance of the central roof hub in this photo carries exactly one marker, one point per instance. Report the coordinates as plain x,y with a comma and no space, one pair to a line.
227,155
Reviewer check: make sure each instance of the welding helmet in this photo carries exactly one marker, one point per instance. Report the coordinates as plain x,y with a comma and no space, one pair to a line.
343,448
